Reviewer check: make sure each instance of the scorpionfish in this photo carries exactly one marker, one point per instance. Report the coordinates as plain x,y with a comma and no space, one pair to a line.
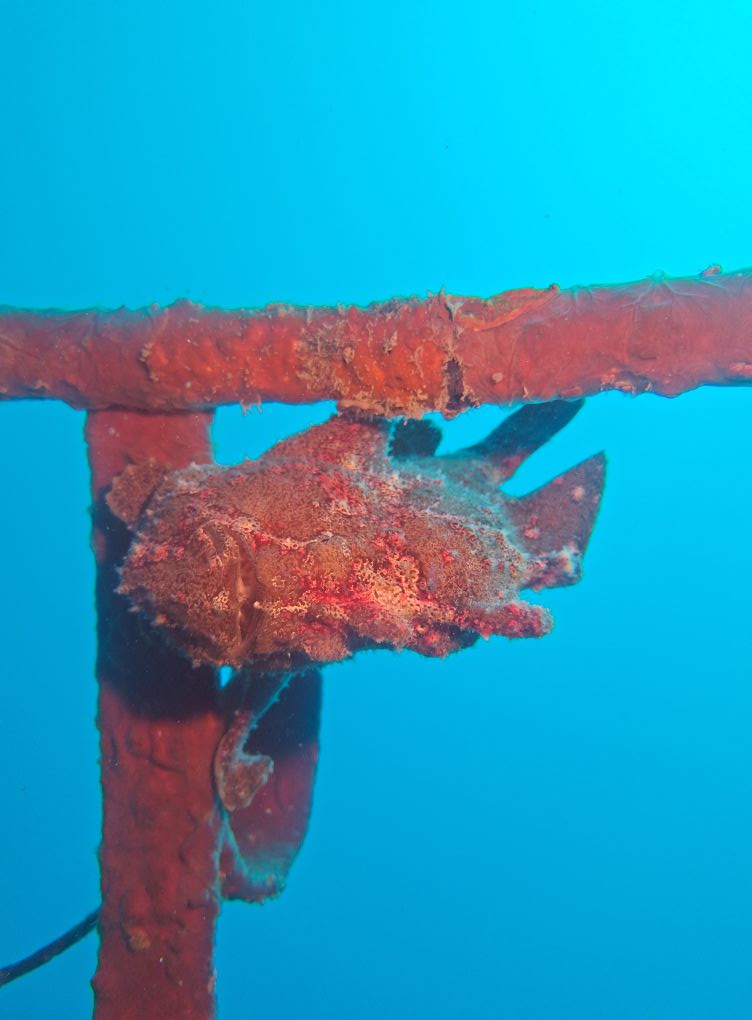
353,535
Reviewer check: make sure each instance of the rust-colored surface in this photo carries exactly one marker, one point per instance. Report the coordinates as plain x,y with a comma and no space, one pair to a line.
409,356
160,722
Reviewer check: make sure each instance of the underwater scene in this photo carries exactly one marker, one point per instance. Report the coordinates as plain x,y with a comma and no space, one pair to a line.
524,795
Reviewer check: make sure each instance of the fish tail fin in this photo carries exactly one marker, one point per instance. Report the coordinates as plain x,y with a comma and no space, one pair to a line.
554,523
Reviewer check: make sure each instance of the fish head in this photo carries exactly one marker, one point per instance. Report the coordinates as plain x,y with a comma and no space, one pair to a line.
201,588
187,570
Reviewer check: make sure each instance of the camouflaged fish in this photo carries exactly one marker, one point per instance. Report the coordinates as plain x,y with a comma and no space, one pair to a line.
354,535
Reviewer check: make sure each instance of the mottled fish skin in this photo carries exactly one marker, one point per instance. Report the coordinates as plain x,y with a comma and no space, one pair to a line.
335,541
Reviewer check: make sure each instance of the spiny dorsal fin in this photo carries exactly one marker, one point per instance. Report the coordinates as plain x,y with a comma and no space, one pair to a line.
344,440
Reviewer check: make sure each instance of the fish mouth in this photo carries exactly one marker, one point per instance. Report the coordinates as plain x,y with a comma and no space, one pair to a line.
231,641
247,589
215,617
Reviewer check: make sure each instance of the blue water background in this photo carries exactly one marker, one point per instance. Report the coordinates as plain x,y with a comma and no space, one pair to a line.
528,831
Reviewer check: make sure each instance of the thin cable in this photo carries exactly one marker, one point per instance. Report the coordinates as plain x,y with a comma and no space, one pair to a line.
51,950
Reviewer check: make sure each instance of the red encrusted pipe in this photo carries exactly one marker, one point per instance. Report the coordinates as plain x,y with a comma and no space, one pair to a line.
160,721
443,353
